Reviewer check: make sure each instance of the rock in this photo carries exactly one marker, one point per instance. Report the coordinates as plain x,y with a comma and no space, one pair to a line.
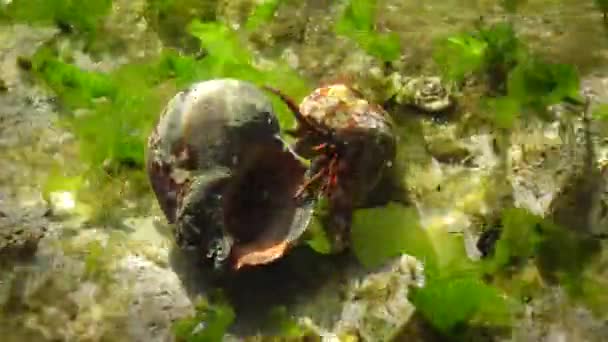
370,305
157,299
444,144
552,317
557,172
109,289
21,227
24,108
540,165
376,307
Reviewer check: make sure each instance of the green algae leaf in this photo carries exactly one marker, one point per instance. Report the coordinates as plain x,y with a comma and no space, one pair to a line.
126,113
170,19
209,323
564,254
386,47
560,254
221,43
519,239
75,87
454,294
460,55
124,102
452,302
94,259
279,319
504,49
84,16
538,84
316,235
489,50
318,240
57,180
127,118
357,23
506,111
592,293
359,16
262,14
452,259
601,112
184,69
380,234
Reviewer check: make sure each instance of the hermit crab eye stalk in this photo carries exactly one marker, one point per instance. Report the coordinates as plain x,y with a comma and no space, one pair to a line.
305,125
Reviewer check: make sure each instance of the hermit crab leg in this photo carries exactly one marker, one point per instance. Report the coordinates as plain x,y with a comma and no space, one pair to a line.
332,174
311,180
323,170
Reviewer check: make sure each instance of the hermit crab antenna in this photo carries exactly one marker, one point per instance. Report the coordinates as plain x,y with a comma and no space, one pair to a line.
290,104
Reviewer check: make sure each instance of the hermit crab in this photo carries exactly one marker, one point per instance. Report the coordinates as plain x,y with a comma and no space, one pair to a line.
224,177
350,142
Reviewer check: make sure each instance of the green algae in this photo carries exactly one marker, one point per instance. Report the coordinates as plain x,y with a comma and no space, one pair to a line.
358,23
452,280
209,323
450,277
228,57
126,110
518,80
557,251
79,261
286,327
170,19
602,6
488,50
401,234
531,245
316,237
127,100
518,240
83,16
459,55
262,14
452,303
537,84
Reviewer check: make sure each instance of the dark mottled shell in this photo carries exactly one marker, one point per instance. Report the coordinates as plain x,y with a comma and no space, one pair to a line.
365,129
223,176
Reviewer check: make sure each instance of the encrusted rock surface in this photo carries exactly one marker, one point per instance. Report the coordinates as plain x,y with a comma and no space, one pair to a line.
133,291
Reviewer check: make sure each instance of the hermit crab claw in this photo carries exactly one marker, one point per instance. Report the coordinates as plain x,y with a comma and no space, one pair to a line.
224,177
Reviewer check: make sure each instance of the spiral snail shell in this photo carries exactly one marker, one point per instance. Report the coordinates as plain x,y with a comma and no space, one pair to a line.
223,176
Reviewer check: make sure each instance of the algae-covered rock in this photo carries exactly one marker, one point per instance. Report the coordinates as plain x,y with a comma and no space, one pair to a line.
111,287
24,107
371,306
21,227
157,299
376,306
553,317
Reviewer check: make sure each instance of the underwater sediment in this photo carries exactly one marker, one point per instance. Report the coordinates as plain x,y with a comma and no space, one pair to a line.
489,223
